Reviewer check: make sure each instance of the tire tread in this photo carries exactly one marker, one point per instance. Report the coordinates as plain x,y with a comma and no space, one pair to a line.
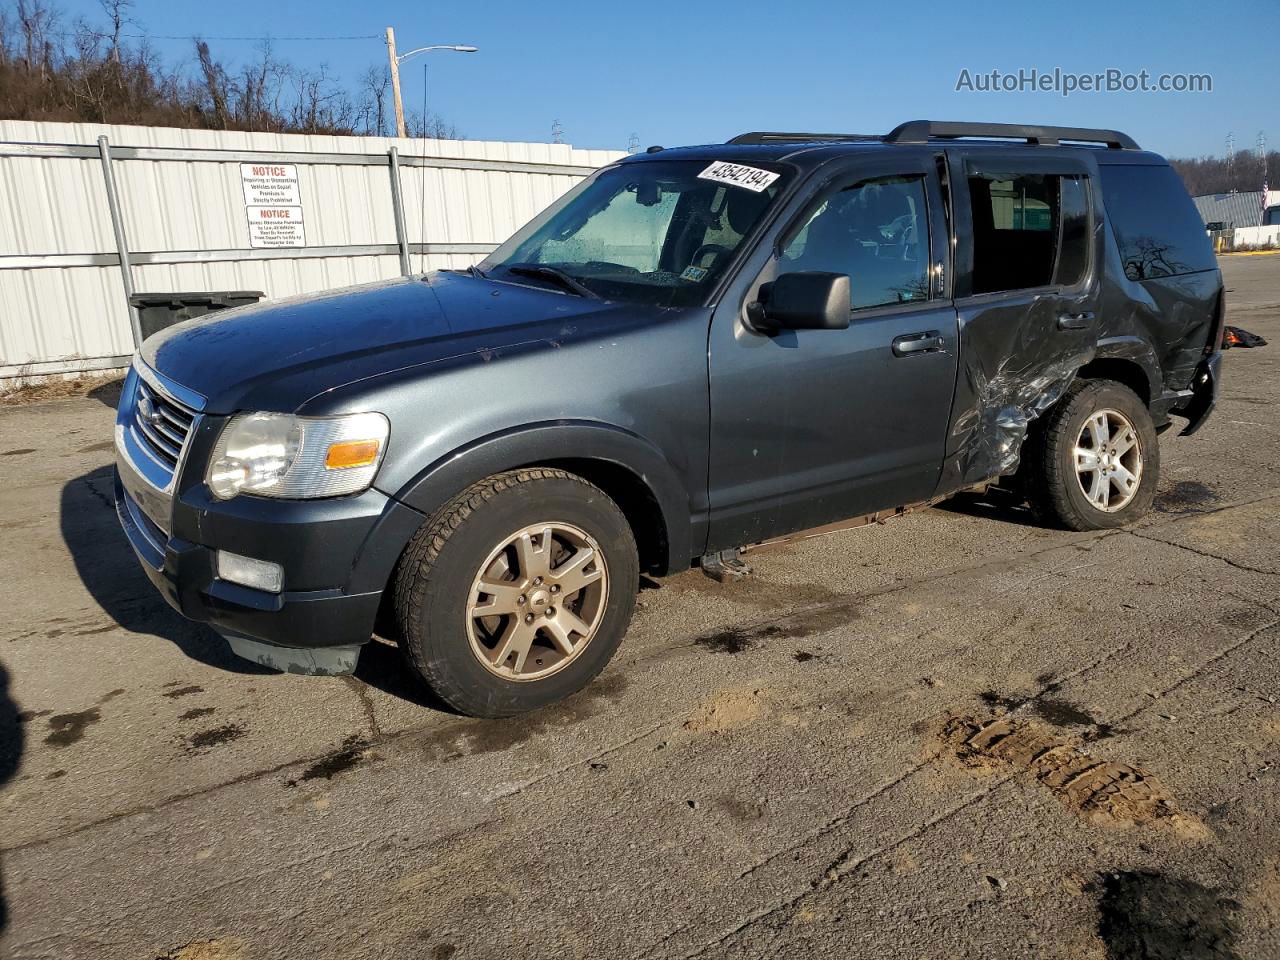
420,557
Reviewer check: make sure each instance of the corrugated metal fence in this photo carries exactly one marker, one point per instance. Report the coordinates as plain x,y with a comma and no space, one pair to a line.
373,208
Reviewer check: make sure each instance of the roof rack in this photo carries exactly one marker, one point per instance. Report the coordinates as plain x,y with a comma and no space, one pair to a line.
922,131
769,136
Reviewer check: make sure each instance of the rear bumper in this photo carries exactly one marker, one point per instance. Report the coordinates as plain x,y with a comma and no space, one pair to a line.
1205,387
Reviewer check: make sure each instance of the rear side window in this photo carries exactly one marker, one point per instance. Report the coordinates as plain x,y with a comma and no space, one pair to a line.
1029,230
1156,225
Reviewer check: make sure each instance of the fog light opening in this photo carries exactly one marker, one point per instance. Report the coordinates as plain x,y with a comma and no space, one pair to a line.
248,572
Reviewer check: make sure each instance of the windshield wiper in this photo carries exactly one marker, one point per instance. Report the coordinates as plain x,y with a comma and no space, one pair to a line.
572,284
477,272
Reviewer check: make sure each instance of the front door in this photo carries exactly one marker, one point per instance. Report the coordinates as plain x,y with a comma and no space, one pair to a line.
813,426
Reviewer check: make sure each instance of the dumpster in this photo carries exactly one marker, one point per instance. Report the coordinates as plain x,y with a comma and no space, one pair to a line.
159,310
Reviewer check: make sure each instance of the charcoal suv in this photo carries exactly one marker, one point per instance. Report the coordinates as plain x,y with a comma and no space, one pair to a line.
694,350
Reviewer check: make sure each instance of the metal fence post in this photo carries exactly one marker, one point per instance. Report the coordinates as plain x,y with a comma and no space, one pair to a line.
122,245
402,235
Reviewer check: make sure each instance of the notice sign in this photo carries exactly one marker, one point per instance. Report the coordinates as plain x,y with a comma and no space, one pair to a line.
273,204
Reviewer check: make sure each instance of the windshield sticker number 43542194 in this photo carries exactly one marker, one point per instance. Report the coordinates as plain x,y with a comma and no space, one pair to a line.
738,175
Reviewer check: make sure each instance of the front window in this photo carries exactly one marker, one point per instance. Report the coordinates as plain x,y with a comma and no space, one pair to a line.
876,231
659,232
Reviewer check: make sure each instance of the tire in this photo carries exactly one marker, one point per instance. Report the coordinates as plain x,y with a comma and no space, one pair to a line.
1056,486
506,532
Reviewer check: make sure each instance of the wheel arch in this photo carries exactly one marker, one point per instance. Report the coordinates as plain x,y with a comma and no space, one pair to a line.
1127,360
629,469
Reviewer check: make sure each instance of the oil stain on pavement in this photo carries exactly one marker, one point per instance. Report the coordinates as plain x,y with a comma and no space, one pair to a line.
1145,915
795,627
1186,496
206,739
67,728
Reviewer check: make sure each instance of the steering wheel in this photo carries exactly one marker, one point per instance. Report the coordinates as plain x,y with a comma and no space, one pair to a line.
719,249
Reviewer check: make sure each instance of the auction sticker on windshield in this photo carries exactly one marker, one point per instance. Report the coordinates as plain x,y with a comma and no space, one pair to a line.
753,178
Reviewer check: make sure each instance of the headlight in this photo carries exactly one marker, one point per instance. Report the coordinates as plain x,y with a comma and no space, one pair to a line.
280,455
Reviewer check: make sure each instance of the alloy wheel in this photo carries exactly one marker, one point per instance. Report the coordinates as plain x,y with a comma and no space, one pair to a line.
1108,460
537,601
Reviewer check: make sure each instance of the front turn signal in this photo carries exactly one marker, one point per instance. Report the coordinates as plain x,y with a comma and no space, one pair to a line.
351,453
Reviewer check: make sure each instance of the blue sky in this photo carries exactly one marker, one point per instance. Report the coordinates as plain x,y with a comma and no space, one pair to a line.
692,72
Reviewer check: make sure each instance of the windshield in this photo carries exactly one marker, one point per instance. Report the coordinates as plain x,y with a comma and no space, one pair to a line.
659,232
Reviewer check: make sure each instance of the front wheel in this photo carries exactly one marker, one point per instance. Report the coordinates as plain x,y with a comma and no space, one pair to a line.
1096,463
517,592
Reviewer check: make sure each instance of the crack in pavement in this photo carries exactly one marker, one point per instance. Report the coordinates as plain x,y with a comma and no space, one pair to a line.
843,818
854,600
842,866
366,704
1204,553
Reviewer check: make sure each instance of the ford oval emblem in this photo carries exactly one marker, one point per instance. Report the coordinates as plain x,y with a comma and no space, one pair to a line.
147,411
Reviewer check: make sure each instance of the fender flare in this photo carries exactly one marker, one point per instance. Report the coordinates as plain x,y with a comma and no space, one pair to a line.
1140,353
561,440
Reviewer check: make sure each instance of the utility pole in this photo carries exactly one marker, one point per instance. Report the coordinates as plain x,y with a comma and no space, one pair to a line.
1231,163
394,61
557,132
633,143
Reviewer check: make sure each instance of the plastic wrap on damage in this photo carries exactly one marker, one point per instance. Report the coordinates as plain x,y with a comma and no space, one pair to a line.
1006,399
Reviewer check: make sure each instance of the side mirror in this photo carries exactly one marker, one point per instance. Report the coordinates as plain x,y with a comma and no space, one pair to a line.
805,300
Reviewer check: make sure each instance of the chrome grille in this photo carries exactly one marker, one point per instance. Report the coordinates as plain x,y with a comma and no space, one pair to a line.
161,425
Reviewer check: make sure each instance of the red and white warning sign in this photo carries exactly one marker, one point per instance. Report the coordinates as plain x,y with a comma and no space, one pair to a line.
273,203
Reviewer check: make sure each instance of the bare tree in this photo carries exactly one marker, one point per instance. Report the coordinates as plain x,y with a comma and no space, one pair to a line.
35,20
373,102
215,83
117,12
80,70
433,126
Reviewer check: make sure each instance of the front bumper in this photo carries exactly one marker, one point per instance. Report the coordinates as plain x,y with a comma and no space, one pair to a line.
337,553
184,573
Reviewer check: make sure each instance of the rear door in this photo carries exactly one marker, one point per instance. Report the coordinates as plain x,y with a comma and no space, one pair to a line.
813,426
1026,289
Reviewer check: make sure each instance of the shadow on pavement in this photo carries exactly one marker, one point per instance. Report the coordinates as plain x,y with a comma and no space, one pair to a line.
108,393
995,504
12,740
382,667
109,570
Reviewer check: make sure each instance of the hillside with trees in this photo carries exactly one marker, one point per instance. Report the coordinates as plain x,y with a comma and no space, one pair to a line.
1214,175
54,69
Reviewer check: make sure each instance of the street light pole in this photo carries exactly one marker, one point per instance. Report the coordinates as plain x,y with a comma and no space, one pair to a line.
395,61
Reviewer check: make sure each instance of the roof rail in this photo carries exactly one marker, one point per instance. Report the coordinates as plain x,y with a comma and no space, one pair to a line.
770,136
922,131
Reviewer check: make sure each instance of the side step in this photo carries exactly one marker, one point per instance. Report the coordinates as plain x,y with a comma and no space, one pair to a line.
724,565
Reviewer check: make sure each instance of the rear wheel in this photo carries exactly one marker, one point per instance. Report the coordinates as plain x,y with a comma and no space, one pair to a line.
1096,463
517,592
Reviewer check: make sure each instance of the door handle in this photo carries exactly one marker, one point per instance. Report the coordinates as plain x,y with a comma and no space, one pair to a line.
1074,321
909,343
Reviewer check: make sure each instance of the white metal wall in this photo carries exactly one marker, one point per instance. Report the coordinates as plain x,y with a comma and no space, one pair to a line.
62,302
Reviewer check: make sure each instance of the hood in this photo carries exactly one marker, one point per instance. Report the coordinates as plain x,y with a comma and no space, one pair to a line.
276,355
